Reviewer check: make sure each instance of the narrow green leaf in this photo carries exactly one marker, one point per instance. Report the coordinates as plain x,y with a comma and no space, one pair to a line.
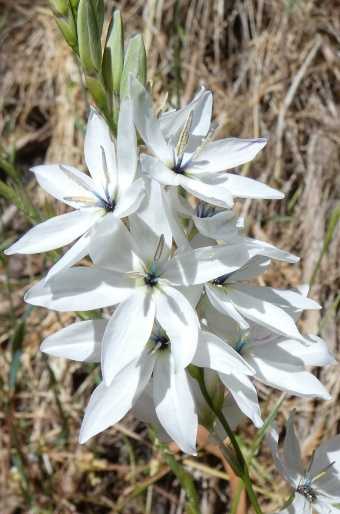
16,343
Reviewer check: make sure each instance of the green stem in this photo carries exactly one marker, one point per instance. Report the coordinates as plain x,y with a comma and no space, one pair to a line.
185,480
241,465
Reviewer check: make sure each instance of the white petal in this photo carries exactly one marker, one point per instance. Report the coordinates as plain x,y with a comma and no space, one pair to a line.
273,439
108,405
174,221
174,403
126,145
215,194
173,121
289,378
147,225
203,264
245,395
328,452
221,225
81,289
275,253
157,170
80,341
147,122
176,316
127,333
220,300
244,187
112,246
97,143
129,199
323,507
264,313
71,257
252,269
65,184
228,153
292,453
316,354
216,354
55,232
280,297
300,505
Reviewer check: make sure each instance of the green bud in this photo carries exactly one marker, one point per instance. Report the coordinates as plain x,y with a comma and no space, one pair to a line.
66,22
60,7
113,57
90,18
135,63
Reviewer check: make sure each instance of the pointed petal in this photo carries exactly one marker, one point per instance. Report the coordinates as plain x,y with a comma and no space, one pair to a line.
203,264
222,303
71,257
264,313
64,181
80,341
129,199
147,122
271,251
147,225
292,453
245,395
157,170
214,353
244,187
222,225
215,194
174,403
81,289
127,333
112,247
171,122
55,232
273,440
280,297
99,153
108,405
228,153
289,378
126,145
176,316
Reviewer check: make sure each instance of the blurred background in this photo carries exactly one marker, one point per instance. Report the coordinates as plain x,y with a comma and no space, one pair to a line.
274,70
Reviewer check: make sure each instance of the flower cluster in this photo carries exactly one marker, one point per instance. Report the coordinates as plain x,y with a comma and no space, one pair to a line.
179,274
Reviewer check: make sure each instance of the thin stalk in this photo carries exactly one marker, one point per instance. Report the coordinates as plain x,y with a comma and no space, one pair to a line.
240,467
184,478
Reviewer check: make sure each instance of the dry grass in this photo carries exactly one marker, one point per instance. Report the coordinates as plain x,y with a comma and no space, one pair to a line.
274,69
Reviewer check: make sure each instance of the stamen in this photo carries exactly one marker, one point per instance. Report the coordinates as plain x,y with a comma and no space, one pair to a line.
105,168
159,249
81,199
75,179
205,141
183,139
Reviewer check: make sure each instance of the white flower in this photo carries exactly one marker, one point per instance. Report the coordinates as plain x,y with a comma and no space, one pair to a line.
270,307
171,389
110,189
189,159
319,486
277,361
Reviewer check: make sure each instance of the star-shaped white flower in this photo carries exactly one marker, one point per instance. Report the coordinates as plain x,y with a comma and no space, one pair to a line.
188,158
317,488
111,189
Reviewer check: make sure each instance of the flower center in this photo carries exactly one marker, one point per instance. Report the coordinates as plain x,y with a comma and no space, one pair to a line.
160,342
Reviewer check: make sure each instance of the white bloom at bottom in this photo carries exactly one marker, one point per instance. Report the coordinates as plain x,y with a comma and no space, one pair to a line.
319,486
